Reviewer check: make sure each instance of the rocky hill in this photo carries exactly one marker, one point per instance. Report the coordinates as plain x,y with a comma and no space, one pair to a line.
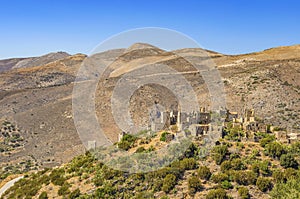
9,64
36,93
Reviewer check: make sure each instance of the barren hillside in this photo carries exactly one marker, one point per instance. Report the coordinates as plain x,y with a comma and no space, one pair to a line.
38,99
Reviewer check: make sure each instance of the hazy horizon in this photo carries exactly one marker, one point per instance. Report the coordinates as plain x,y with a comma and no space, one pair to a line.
172,49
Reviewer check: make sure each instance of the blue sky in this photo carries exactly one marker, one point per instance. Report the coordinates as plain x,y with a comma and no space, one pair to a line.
32,28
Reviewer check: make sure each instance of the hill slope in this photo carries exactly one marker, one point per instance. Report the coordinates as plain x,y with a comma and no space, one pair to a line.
38,99
9,64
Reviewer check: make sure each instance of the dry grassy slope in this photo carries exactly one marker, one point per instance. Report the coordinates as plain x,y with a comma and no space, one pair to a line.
9,64
38,98
267,81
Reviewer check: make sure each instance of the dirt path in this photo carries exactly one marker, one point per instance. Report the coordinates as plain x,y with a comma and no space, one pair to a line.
9,184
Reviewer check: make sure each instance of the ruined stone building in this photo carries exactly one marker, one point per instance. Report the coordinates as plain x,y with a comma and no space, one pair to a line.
194,123
200,123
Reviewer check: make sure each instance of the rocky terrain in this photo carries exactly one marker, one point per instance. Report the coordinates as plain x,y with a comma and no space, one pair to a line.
36,93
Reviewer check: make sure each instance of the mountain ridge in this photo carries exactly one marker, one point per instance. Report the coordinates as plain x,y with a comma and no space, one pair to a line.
13,63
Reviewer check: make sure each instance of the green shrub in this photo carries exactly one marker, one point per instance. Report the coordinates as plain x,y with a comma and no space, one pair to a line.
295,148
237,164
129,138
192,151
290,173
264,167
234,156
105,191
290,189
125,145
266,140
150,149
43,195
127,142
244,192
157,185
255,153
81,161
44,179
255,168
75,194
219,153
144,195
217,194
57,177
288,161
226,185
219,177
109,173
245,177
163,136
194,185
140,150
226,166
234,134
274,150
264,184
169,183
188,164
98,180
261,167
278,176
64,190
204,172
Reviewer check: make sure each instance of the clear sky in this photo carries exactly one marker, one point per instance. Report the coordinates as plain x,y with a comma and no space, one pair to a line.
32,28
